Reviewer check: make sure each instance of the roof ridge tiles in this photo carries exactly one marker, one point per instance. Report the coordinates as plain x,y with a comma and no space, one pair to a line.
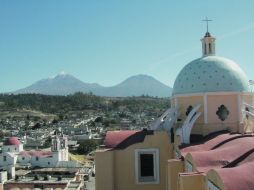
229,140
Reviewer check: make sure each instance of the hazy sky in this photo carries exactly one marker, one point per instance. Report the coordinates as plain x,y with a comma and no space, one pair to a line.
106,41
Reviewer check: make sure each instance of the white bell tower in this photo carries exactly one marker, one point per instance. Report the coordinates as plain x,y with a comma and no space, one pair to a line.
55,147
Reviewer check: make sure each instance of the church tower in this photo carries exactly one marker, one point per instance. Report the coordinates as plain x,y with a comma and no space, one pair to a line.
60,148
55,147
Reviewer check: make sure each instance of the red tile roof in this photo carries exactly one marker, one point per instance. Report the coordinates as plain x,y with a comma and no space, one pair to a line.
209,143
240,177
12,141
123,139
224,154
231,155
36,153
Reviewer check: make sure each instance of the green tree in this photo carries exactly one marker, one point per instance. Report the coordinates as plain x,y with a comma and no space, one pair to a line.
47,143
87,146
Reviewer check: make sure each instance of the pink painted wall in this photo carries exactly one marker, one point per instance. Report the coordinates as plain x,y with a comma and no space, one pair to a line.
215,101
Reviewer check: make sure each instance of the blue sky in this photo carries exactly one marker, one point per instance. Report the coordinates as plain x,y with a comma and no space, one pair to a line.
106,41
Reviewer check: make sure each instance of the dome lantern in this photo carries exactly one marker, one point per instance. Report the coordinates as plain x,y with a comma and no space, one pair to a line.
208,41
208,44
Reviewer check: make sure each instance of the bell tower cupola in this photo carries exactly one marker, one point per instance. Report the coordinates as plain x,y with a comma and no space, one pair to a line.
208,42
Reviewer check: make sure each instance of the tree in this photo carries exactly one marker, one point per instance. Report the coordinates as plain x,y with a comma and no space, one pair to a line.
99,119
87,146
106,123
60,117
48,142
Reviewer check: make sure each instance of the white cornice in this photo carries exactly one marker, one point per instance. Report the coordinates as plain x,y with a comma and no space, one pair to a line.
212,93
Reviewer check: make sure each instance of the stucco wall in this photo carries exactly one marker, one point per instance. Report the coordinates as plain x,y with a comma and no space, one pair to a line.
11,159
123,162
13,148
214,177
248,98
50,161
188,158
104,168
215,101
248,124
185,101
3,176
192,182
174,168
210,122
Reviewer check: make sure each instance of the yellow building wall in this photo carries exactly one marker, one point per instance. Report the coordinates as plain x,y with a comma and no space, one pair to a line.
188,158
215,101
174,168
184,102
191,182
214,177
231,122
116,170
104,168
248,98
125,163
248,124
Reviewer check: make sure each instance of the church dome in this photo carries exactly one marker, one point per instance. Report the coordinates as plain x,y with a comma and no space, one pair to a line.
211,74
12,141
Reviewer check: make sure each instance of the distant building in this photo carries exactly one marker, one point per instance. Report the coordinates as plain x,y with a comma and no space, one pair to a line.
48,178
13,154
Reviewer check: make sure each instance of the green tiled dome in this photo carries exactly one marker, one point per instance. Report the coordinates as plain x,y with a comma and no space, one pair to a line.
211,74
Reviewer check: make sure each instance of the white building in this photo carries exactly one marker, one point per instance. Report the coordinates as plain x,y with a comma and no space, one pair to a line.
13,153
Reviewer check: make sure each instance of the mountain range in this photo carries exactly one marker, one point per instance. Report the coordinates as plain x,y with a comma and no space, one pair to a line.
64,84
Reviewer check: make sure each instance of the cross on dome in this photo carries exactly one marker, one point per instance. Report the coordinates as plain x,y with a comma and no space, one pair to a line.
207,22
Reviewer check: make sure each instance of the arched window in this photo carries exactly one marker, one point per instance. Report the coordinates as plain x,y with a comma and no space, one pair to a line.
210,48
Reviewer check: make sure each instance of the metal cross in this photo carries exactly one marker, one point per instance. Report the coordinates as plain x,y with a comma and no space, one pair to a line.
207,20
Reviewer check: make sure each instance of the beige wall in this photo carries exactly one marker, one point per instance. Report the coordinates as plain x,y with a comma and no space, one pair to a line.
123,162
188,158
248,124
248,98
174,168
184,102
215,101
191,182
104,167
214,177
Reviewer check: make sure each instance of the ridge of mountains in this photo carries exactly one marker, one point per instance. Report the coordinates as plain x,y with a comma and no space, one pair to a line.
65,84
